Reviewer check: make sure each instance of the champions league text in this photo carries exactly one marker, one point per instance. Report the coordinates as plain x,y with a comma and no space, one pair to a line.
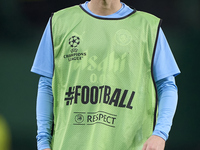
102,94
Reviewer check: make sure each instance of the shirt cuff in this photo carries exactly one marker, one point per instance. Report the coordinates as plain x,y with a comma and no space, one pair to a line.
43,142
160,134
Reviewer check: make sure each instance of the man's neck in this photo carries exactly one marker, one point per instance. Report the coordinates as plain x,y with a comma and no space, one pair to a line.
104,7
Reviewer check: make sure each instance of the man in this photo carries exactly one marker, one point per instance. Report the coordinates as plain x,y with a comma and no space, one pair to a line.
106,63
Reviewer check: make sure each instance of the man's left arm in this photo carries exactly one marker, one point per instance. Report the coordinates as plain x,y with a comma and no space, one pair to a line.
167,102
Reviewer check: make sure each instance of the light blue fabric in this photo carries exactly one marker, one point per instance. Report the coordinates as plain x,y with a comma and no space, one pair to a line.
43,62
44,111
164,70
167,102
164,64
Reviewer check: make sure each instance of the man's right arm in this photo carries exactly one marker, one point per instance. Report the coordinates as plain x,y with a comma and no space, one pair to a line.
44,113
43,66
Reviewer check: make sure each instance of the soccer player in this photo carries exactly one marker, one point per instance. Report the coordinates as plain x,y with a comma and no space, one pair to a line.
104,68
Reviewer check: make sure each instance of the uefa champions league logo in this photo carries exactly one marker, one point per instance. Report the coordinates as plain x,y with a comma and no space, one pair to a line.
74,41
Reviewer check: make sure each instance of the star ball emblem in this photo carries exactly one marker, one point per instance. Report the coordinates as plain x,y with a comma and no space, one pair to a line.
74,41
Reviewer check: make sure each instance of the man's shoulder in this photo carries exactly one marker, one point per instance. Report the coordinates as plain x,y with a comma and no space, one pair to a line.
69,11
145,16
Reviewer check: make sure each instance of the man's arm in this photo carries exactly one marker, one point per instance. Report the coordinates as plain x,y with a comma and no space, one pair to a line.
44,113
167,102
